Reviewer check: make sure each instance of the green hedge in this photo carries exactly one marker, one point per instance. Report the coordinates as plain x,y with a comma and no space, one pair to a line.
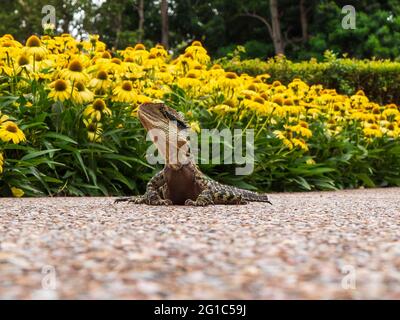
380,79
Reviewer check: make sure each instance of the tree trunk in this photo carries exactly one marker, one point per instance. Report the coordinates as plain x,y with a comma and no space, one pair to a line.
164,23
140,9
276,28
118,28
303,21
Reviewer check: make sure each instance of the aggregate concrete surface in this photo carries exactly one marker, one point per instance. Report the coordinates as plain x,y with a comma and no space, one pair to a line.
317,245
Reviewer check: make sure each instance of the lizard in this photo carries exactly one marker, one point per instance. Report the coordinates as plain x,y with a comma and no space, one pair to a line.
181,182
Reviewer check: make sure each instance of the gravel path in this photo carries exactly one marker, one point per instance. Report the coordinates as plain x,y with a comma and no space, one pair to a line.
320,245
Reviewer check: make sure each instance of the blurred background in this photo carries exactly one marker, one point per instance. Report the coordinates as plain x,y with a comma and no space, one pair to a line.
300,29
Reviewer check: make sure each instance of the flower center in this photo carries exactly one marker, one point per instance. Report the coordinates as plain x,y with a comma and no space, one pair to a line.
75,66
23,60
288,102
7,44
116,61
102,75
191,75
231,75
99,105
92,127
259,100
106,55
33,41
11,127
376,110
127,86
80,86
374,127
140,46
60,85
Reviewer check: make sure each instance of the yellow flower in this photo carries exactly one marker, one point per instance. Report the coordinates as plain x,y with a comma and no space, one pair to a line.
229,81
194,125
124,92
302,129
288,143
3,118
94,130
75,72
391,129
310,161
61,90
10,131
283,136
100,81
373,131
18,193
190,81
96,110
198,52
159,51
35,48
83,95
223,109
23,64
300,143
390,113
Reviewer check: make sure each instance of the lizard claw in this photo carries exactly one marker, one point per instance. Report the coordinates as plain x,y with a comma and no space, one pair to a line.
189,202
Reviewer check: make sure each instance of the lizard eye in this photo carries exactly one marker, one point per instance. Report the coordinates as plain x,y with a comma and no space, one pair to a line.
181,124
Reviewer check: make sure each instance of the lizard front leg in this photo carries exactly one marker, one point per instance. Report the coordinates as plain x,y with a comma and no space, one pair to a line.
205,198
215,193
152,194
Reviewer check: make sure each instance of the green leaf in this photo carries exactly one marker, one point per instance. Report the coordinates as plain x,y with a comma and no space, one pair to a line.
365,179
59,136
80,160
36,154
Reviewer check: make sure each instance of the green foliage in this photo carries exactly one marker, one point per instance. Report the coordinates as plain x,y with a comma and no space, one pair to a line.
252,49
221,25
60,160
376,34
380,79
333,162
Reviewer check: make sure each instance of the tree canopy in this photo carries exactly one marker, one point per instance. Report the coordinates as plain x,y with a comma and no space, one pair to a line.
300,29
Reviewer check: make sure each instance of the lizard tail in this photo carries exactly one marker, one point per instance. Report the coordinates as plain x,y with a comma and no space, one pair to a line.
246,195
256,197
253,196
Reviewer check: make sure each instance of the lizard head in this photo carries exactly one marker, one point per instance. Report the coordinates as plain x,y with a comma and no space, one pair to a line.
168,130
